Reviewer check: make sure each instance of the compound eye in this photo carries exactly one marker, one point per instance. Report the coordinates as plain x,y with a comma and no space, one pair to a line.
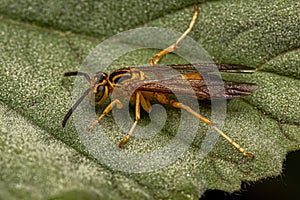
100,93
100,88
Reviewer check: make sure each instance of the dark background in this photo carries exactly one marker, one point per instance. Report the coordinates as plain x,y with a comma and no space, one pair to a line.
286,186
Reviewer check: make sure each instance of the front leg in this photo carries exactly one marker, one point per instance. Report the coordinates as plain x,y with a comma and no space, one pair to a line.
106,110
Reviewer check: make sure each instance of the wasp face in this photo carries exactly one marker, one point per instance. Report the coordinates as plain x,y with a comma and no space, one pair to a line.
99,88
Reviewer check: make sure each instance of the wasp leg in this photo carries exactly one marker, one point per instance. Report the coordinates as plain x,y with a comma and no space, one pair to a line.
137,117
146,105
163,99
156,58
208,122
106,110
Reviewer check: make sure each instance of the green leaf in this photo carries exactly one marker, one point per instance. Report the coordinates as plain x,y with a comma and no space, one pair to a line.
40,40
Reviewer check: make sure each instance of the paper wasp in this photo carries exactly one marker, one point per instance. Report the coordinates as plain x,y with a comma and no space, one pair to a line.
147,89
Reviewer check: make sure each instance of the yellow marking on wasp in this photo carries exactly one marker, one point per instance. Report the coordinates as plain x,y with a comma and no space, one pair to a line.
119,76
192,76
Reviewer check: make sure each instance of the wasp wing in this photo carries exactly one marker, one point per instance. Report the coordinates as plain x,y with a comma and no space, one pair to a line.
214,88
199,68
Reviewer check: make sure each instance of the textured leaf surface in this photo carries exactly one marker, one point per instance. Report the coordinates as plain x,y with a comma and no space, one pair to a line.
40,40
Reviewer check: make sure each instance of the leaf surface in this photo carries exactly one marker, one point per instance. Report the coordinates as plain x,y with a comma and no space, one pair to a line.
40,40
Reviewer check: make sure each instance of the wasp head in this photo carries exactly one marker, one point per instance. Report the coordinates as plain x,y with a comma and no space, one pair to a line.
97,92
99,88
